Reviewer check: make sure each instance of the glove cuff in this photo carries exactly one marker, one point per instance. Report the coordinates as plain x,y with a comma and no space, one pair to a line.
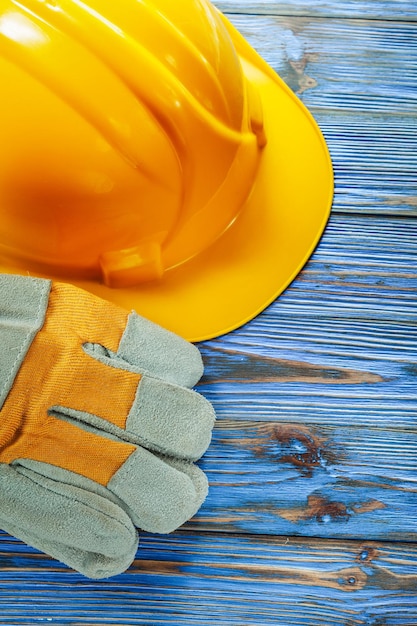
23,304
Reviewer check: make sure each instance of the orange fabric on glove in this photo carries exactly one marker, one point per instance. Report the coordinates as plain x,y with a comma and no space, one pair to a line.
58,372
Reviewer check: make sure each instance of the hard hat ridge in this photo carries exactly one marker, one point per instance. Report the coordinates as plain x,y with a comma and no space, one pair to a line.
180,149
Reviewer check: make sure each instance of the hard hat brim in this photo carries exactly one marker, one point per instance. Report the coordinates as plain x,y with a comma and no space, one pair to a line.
270,241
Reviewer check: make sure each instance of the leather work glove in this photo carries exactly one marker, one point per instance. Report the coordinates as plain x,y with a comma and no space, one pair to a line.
99,427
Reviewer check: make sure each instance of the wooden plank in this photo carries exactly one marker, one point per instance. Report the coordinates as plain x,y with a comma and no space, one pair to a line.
374,161
363,269
316,397
295,478
365,9
358,79
322,372
343,65
344,335
184,578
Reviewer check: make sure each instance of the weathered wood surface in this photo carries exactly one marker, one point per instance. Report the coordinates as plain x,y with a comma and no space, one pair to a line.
354,65
374,161
314,456
359,80
284,477
397,10
203,579
316,398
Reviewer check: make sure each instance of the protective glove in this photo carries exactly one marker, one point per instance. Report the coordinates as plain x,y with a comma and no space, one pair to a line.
99,427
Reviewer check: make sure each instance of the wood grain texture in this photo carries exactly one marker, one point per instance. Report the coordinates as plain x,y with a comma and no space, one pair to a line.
316,397
281,477
374,161
358,79
353,65
397,10
201,579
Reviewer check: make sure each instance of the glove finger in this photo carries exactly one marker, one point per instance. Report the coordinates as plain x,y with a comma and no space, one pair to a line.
160,494
158,415
164,418
161,353
170,419
91,534
91,564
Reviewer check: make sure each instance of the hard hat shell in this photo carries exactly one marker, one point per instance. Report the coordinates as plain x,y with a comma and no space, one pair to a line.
149,155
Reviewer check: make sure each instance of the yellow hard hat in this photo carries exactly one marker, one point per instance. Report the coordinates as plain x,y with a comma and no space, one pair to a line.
149,155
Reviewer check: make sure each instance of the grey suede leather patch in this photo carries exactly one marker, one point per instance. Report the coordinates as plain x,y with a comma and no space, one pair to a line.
92,534
23,304
165,496
151,347
171,419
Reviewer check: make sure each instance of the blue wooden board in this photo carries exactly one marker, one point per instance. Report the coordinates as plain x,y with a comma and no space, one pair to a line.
359,81
354,66
396,10
374,161
316,398
224,579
